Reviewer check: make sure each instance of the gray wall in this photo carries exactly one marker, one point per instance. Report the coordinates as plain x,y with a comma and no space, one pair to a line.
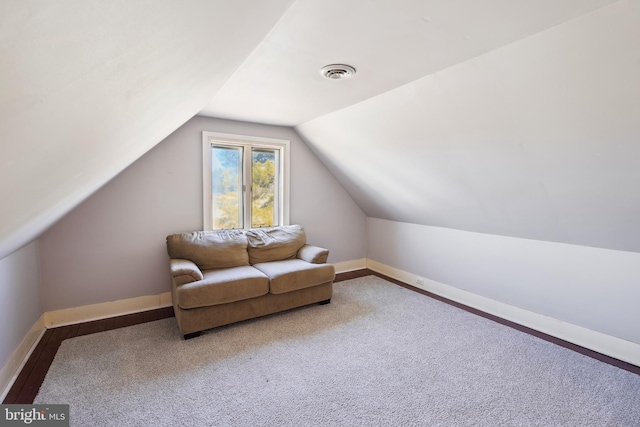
20,305
112,246
595,288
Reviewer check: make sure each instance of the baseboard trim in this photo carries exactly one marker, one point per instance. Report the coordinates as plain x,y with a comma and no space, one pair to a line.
617,348
20,355
353,265
608,345
104,310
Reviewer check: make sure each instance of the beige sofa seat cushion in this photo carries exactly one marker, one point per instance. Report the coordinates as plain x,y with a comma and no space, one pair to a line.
210,249
293,274
274,244
223,286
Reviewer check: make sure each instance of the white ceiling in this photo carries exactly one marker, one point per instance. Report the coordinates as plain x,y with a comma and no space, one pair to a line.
389,42
88,86
539,139
512,117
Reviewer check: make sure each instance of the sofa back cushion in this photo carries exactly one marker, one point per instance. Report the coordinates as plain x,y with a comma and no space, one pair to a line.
210,249
275,244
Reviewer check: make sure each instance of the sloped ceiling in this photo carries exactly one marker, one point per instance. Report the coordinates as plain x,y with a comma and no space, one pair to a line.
538,139
510,117
88,86
389,42
515,118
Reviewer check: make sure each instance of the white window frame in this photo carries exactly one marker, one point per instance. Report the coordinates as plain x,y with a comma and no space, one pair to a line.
217,138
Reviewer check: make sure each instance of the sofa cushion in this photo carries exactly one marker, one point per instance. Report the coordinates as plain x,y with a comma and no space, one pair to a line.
275,244
293,274
223,286
210,249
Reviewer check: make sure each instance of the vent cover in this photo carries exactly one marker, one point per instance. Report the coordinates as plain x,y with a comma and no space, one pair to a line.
337,71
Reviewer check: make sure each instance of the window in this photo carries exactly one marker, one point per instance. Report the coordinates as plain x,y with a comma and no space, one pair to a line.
246,181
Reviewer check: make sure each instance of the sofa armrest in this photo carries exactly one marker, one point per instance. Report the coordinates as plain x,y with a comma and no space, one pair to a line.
313,254
185,271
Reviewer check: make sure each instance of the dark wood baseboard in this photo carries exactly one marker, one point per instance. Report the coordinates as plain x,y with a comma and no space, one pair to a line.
28,383
30,378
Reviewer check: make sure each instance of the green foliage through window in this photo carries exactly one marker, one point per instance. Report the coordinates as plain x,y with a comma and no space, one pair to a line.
263,181
228,173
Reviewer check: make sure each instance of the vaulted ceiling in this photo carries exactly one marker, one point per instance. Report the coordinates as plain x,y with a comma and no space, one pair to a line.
510,117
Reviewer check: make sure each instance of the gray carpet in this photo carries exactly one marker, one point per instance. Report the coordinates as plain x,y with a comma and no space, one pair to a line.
378,355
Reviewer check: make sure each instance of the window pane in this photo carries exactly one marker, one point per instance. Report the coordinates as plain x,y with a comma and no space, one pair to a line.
264,187
226,187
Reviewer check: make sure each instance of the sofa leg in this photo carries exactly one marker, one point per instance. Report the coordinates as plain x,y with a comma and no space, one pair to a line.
327,301
191,335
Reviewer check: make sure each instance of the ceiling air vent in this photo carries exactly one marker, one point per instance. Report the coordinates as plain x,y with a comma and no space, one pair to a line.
337,71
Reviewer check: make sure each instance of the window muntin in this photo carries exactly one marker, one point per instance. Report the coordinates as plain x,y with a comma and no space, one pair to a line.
246,181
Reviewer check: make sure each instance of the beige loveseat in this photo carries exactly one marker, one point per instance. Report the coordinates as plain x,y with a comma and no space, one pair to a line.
224,276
